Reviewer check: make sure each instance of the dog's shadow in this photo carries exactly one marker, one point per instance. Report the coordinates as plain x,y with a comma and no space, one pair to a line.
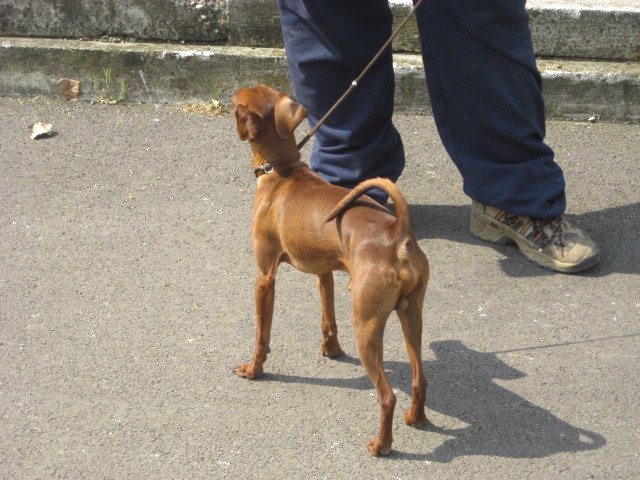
491,419
615,230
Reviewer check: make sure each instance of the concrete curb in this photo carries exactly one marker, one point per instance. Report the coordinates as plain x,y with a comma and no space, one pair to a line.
159,73
154,73
573,90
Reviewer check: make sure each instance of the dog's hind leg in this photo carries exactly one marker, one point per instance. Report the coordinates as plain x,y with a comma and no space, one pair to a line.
330,345
369,319
411,321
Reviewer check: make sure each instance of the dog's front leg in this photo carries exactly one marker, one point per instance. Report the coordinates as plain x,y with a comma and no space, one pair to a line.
265,296
330,345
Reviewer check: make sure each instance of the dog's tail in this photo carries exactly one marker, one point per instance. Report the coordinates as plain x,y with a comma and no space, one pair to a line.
403,218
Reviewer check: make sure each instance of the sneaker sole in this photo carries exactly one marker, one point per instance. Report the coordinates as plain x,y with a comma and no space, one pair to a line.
489,233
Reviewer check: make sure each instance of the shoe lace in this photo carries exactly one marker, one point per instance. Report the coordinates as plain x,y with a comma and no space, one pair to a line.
554,225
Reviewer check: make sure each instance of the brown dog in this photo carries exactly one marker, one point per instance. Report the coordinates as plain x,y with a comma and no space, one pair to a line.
301,219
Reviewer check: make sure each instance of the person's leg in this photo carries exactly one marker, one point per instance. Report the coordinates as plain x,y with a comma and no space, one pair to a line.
328,44
486,97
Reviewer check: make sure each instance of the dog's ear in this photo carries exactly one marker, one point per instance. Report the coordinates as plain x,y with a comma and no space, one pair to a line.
249,123
288,115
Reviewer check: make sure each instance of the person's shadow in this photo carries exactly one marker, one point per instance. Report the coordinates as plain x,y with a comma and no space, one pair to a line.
615,230
461,385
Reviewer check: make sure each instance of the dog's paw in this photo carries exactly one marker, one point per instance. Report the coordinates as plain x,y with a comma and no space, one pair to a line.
334,352
331,348
415,419
247,370
376,447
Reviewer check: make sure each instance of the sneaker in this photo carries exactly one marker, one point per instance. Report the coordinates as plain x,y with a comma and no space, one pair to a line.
552,243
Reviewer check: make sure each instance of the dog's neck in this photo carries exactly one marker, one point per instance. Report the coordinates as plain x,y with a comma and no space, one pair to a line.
277,153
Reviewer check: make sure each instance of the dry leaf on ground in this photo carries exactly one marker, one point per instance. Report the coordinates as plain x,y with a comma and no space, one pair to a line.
69,88
40,130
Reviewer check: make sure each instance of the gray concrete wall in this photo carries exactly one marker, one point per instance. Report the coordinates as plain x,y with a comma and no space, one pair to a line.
578,32
586,34
167,20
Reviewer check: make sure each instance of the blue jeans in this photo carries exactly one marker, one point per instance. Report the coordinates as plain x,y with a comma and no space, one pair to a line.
484,87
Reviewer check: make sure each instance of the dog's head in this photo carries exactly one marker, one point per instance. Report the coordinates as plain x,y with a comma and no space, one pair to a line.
263,111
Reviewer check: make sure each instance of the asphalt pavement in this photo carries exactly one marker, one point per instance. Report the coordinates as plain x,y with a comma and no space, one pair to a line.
127,297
